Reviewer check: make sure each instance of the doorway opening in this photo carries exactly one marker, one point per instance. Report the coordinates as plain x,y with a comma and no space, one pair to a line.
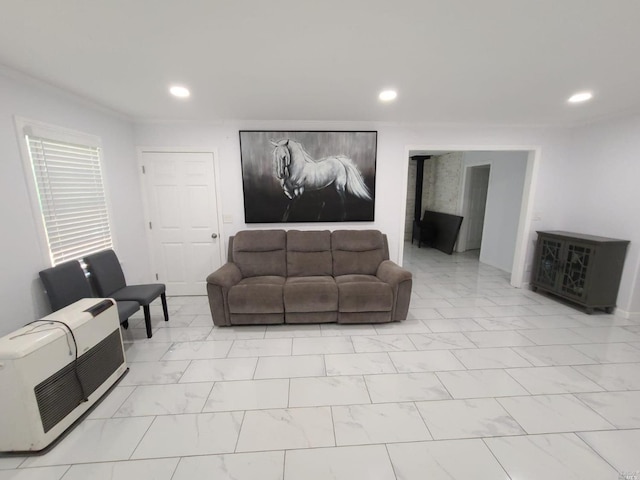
491,188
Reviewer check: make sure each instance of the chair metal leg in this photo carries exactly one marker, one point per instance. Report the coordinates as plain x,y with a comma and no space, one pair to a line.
163,297
147,320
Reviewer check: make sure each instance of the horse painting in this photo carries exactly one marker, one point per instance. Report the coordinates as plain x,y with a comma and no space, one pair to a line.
298,172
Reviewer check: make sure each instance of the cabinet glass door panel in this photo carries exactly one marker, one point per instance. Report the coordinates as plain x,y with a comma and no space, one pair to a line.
547,273
574,274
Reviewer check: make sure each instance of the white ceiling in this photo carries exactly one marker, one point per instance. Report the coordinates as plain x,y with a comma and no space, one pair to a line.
452,61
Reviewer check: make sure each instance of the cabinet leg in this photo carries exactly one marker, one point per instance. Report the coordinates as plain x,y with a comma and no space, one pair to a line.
608,310
589,310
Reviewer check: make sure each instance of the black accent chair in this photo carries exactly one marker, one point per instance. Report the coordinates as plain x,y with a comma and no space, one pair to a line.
66,283
108,279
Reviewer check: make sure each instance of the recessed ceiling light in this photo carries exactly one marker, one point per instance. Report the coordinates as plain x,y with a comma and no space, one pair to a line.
180,92
580,97
387,95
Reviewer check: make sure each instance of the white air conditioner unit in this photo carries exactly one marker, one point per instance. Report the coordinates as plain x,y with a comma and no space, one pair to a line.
53,370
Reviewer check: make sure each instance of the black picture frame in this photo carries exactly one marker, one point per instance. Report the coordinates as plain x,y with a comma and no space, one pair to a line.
299,176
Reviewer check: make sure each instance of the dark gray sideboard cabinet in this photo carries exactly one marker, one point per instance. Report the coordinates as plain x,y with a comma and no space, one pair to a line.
584,269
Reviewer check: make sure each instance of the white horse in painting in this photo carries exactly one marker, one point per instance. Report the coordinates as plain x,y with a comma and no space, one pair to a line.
298,172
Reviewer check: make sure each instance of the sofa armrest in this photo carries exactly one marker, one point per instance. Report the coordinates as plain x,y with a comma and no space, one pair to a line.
391,273
226,276
401,282
218,285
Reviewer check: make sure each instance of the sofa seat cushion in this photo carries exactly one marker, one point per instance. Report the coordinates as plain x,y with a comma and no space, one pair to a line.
310,294
257,295
355,278
363,293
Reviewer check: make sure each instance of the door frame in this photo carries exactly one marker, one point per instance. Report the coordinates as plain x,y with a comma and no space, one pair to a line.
519,268
465,186
140,151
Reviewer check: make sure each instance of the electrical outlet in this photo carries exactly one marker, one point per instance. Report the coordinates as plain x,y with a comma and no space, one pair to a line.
227,218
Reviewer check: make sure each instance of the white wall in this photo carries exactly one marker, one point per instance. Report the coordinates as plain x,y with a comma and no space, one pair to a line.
21,294
504,198
586,180
555,178
600,193
394,143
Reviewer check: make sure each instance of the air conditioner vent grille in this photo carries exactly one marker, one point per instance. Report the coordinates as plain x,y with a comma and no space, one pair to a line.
60,394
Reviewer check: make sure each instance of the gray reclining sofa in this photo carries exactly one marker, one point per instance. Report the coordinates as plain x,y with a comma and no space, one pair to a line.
278,276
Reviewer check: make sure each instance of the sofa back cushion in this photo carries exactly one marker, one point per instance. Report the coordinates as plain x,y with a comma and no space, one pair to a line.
358,251
309,253
260,252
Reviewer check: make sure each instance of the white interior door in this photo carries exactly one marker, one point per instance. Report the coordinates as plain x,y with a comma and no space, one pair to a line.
478,187
183,224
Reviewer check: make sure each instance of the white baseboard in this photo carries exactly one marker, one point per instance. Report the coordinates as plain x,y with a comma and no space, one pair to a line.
628,315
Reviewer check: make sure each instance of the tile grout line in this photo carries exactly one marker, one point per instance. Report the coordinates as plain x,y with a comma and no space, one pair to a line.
424,420
175,469
393,467
594,410
333,424
142,438
235,448
593,449
495,457
284,463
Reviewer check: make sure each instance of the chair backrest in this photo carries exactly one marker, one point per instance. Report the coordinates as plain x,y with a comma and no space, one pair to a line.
260,252
309,253
65,284
106,273
358,251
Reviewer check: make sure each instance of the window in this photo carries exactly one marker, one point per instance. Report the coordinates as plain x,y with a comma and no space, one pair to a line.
70,193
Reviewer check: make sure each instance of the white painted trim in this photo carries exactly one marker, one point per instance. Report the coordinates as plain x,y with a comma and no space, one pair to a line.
404,165
140,150
634,316
145,209
518,270
463,210
461,243
36,211
63,134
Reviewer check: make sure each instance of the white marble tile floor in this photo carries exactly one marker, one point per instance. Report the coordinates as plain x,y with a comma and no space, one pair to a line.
482,380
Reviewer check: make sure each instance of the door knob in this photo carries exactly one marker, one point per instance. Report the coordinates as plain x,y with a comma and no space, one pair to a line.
214,235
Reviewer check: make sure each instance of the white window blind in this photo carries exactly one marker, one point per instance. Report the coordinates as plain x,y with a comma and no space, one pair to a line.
68,180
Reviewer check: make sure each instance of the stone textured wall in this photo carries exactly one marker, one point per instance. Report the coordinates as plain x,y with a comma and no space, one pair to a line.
441,189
